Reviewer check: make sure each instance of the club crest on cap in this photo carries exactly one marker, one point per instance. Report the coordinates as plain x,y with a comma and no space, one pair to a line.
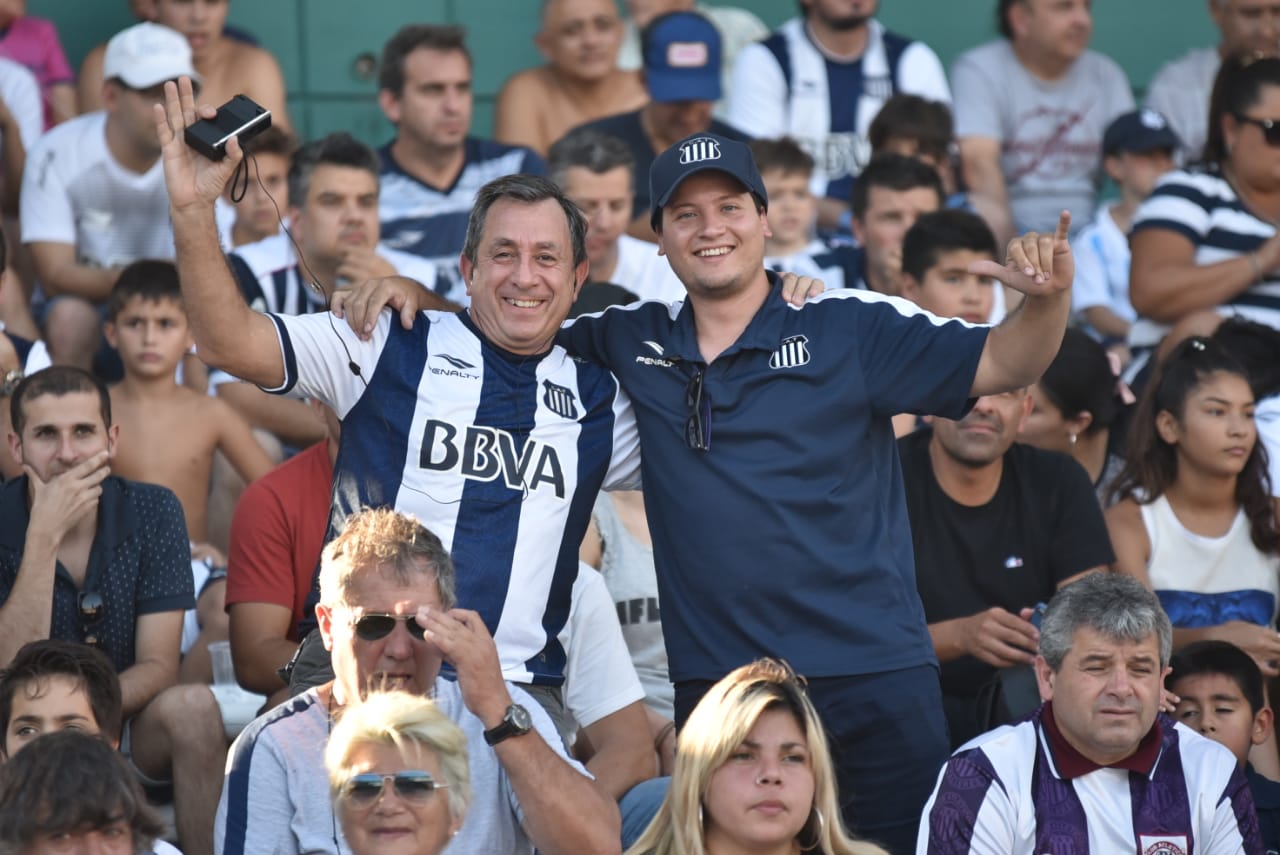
696,151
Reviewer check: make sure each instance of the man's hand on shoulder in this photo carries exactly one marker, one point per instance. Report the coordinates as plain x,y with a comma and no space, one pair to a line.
797,290
361,304
59,503
466,644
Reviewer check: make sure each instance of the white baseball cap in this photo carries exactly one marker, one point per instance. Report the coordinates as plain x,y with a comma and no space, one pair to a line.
146,55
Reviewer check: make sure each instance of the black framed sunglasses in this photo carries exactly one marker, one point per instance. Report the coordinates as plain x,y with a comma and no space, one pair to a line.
697,429
413,786
92,610
372,626
1270,128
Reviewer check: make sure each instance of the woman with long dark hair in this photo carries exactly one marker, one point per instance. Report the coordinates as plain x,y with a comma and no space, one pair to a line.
1206,238
1194,519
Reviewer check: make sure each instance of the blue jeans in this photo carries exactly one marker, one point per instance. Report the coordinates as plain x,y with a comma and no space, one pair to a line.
639,806
888,738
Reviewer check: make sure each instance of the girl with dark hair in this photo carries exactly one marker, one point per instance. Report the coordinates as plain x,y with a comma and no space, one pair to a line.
1206,238
1075,405
1195,520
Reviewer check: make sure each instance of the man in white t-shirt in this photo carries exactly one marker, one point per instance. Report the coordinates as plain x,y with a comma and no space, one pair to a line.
1180,90
1030,112
21,120
821,78
93,196
597,172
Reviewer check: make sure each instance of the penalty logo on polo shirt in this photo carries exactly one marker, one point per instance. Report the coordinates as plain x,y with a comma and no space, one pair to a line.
696,151
791,353
1171,845
559,400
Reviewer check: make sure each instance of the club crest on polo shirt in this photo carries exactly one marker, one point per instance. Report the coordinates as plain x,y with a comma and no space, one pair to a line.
698,150
791,353
1150,844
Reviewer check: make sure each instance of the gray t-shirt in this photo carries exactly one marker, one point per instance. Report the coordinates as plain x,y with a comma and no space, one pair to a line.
275,798
1050,132
1180,90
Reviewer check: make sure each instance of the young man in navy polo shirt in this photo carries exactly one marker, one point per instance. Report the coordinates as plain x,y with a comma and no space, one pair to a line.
771,476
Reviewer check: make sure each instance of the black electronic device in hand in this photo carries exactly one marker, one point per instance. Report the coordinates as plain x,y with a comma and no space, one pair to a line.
240,117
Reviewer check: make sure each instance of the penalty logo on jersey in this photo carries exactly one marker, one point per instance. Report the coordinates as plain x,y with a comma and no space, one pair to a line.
791,353
696,151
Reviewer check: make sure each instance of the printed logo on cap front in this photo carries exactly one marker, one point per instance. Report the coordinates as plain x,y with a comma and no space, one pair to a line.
696,151
1152,119
687,55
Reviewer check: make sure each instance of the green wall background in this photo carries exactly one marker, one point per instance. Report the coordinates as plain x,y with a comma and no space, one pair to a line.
328,48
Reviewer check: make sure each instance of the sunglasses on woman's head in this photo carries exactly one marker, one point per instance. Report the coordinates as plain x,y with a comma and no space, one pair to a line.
372,626
412,786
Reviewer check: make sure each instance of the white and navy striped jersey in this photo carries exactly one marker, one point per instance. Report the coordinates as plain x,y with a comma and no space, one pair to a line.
271,279
499,455
1204,209
786,85
837,266
431,222
1005,792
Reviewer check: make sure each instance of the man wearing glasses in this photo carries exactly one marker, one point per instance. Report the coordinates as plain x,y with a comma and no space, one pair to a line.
89,557
387,616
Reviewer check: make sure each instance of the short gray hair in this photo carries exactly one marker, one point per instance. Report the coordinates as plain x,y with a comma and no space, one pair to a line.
1118,606
529,190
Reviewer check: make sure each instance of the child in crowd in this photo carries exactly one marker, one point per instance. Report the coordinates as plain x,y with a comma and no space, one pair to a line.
266,198
1221,697
1194,520
793,212
1137,148
170,432
924,129
54,685
936,254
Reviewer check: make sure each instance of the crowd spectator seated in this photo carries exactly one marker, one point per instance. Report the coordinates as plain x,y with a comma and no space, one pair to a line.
87,556
990,544
1078,407
433,168
737,27
892,192
580,82
257,214
33,42
794,245
227,66
821,78
597,172
94,199
1181,87
682,76
918,127
1031,109
1205,238
1073,772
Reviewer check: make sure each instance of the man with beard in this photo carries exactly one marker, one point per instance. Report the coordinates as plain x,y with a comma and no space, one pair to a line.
997,527
821,78
1030,112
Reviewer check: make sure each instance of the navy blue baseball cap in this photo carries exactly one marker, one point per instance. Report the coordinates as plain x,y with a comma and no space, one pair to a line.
682,58
1140,131
701,153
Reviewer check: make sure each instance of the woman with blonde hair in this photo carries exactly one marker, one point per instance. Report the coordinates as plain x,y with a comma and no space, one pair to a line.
752,774
389,758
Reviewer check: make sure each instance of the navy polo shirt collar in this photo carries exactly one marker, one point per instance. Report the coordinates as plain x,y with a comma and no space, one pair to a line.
763,333
116,523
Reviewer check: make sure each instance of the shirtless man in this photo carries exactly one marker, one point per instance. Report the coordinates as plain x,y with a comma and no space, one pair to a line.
579,83
227,67
172,433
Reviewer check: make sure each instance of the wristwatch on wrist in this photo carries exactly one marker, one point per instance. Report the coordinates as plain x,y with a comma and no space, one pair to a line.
515,723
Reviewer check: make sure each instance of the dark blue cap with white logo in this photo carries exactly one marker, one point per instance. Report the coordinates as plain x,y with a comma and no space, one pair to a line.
701,153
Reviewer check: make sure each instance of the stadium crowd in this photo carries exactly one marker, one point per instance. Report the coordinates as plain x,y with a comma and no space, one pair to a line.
767,442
